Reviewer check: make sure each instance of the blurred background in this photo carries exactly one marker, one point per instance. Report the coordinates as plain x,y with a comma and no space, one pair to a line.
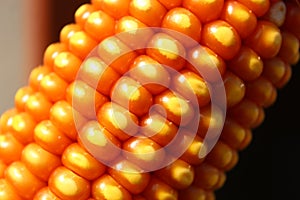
267,168
27,28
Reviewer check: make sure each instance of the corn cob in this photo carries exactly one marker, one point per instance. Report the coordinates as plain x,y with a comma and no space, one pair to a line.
41,153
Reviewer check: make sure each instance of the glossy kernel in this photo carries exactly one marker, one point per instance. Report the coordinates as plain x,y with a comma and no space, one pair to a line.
131,95
81,162
66,65
81,44
259,7
45,194
133,33
184,22
206,63
222,38
195,152
144,152
246,113
178,109
158,189
66,119
158,128
82,13
167,51
221,155
40,162
240,17
24,182
192,87
84,98
6,119
274,69
207,176
247,141
261,112
211,121
151,74
50,138
53,87
234,87
118,120
266,39
67,32
261,92
22,96
246,64
51,53
188,147
37,75
234,134
96,74
129,176
206,10
116,54
150,12
289,51
7,191
115,8
23,125
38,106
10,148
179,174
287,76
106,187
68,185
100,25
99,141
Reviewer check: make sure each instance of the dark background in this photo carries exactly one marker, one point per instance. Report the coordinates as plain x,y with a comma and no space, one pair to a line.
267,169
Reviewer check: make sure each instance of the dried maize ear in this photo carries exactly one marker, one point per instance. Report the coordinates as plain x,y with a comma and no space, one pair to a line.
125,107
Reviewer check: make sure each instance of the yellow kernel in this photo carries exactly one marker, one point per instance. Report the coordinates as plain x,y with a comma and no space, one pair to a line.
66,186
225,36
